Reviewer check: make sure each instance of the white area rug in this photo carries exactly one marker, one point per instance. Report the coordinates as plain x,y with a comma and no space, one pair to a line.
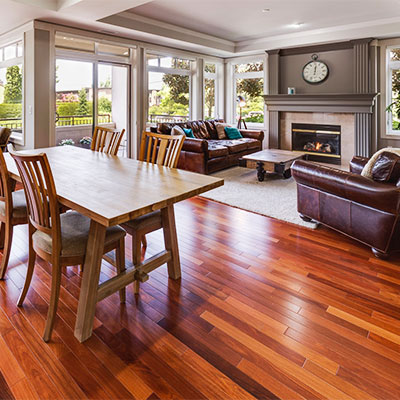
275,197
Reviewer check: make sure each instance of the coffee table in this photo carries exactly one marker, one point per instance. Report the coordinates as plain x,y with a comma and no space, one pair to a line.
273,161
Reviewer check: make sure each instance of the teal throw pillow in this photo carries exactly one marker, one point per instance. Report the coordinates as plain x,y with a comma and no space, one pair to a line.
233,133
188,133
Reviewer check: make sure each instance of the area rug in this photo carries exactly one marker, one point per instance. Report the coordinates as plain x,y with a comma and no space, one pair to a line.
275,197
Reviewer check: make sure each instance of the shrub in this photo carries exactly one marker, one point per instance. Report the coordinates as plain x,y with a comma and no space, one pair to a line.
65,109
104,105
10,110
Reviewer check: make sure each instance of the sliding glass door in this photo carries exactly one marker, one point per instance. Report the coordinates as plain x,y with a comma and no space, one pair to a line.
90,93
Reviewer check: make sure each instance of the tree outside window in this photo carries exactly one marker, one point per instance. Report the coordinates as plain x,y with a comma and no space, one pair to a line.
393,108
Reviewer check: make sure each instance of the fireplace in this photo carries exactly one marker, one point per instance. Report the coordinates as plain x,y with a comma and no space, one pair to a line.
320,142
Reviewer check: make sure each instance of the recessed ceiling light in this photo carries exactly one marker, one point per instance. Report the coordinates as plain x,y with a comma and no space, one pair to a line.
265,10
297,25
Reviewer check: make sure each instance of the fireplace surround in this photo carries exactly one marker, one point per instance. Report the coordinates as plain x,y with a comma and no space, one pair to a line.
321,142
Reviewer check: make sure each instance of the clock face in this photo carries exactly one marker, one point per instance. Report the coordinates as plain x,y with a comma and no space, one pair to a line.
315,72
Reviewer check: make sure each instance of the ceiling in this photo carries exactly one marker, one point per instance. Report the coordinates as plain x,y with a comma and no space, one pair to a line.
239,20
223,28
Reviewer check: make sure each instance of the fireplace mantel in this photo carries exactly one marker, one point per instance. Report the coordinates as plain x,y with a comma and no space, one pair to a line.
329,103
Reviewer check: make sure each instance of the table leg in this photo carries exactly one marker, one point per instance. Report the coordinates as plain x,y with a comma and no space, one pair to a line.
90,282
260,171
171,241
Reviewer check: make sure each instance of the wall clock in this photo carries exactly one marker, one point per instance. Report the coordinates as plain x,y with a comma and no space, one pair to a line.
315,71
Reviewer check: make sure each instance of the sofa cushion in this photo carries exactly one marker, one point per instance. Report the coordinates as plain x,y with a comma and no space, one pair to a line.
211,127
198,128
220,127
177,131
215,149
234,146
251,143
233,133
386,168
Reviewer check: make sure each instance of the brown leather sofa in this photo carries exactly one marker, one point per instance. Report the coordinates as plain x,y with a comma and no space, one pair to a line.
359,207
206,153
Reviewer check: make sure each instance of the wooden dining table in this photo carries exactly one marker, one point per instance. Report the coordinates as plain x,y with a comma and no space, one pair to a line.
111,190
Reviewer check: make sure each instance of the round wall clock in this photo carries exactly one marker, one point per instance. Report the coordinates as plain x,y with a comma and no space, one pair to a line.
315,71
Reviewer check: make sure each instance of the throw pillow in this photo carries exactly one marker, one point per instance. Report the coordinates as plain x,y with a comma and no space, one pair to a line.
386,168
188,133
233,133
177,130
221,130
367,170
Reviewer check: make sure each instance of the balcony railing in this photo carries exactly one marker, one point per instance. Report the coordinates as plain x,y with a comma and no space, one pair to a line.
154,118
72,120
12,123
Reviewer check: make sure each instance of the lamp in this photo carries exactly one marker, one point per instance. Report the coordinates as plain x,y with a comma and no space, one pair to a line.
241,103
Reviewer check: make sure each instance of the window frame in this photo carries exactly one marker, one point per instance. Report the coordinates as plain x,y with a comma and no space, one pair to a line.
214,76
172,71
390,67
16,137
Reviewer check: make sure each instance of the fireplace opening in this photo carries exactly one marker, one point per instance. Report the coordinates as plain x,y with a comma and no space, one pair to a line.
320,142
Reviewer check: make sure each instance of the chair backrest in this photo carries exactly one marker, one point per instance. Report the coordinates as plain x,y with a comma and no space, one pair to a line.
5,134
106,140
5,186
161,149
41,196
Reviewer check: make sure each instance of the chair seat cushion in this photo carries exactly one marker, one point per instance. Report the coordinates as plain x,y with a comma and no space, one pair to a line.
19,205
234,146
145,222
74,235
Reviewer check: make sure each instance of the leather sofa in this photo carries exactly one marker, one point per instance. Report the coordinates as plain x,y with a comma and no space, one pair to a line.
206,153
359,207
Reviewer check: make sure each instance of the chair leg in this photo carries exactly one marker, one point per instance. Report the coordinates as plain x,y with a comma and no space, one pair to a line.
29,274
6,249
120,264
55,294
136,256
2,234
144,241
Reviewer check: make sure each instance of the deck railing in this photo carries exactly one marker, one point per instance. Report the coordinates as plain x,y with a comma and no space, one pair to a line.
154,118
73,120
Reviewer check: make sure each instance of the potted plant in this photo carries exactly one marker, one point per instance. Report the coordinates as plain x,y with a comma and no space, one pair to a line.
85,142
67,142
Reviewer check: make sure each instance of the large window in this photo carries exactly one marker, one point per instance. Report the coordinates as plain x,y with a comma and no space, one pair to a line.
210,91
168,88
393,91
11,87
249,83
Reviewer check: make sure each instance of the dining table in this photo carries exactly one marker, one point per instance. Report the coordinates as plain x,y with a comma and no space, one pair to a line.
111,190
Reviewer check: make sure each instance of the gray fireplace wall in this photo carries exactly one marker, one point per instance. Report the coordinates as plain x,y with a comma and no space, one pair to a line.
350,72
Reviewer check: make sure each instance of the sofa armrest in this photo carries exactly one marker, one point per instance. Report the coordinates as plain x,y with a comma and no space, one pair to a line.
195,145
347,185
357,164
247,133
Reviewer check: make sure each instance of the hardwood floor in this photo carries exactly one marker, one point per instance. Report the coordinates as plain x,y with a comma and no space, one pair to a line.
264,310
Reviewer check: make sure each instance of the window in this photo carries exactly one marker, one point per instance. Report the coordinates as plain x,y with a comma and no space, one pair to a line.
393,91
11,87
210,81
249,83
169,81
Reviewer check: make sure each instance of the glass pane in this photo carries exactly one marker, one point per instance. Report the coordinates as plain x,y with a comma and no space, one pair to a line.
68,42
168,97
11,97
114,50
395,105
10,52
112,103
209,98
20,49
251,90
211,68
249,67
74,100
182,64
395,54
167,62
152,60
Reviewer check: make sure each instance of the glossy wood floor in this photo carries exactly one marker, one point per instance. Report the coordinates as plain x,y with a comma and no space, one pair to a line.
264,310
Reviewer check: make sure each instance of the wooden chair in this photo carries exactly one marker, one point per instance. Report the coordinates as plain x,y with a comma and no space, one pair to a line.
13,211
106,140
5,134
57,238
162,150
